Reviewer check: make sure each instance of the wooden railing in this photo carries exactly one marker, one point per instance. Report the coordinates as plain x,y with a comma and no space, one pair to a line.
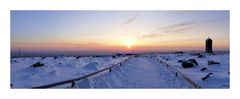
195,85
72,81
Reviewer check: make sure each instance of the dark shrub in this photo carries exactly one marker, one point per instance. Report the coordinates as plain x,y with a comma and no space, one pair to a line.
38,64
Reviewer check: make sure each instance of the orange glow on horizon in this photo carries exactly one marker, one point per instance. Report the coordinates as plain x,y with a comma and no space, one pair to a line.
123,44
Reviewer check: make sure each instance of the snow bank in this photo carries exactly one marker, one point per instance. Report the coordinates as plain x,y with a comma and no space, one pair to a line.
55,69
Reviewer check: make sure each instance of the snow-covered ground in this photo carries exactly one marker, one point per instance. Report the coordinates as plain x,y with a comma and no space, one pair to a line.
23,75
140,72
220,72
144,71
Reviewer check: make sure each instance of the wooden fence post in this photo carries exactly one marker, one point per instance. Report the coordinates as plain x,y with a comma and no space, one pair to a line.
110,69
73,84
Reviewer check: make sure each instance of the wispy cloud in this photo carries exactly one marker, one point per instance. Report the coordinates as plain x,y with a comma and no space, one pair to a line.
130,20
177,25
150,35
178,30
172,28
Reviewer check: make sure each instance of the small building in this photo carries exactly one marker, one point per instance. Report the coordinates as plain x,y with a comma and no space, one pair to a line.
209,45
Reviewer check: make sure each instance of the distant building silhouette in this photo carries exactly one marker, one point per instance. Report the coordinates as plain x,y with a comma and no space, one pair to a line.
209,45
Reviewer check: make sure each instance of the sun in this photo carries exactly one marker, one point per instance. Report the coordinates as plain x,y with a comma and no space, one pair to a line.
128,42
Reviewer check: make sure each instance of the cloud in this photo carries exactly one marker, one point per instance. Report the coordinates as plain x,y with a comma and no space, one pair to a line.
185,23
131,19
179,30
173,28
151,35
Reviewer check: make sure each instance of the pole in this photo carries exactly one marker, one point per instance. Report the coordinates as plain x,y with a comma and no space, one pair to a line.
19,50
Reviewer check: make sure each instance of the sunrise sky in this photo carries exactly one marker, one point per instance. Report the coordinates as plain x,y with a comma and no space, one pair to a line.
116,31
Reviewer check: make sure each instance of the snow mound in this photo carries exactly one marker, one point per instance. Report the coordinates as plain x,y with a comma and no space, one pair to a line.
91,66
85,83
31,69
54,73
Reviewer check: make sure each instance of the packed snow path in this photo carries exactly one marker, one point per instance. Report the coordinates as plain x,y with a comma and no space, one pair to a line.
142,72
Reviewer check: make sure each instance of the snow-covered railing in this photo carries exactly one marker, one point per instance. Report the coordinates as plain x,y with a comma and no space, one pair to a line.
72,81
195,85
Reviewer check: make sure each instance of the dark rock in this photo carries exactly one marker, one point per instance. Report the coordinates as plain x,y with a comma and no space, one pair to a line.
129,54
207,76
43,58
78,57
55,57
204,68
114,56
210,62
180,61
14,57
187,64
193,61
119,54
38,64
14,61
200,56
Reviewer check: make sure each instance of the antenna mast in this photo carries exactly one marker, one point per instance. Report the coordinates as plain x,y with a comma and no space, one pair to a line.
19,51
